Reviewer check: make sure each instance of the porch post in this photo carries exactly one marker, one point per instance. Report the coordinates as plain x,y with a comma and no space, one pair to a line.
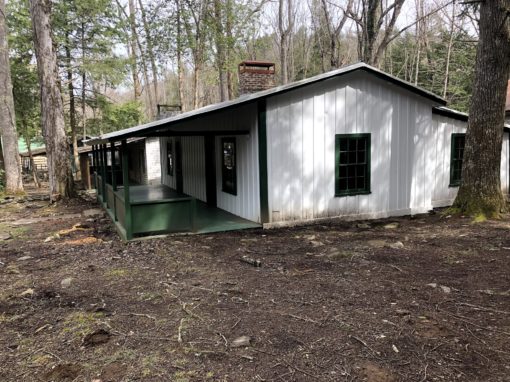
114,180
125,181
103,177
112,153
94,163
263,177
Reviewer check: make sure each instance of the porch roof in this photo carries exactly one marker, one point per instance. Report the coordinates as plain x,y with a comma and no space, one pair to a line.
159,126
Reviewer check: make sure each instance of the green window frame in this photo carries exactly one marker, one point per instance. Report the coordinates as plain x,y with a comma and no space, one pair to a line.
352,164
456,156
228,166
170,157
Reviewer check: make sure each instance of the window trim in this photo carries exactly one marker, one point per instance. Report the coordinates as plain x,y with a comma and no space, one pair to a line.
367,189
453,182
233,190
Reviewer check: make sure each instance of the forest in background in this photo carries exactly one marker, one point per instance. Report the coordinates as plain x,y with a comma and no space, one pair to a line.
119,59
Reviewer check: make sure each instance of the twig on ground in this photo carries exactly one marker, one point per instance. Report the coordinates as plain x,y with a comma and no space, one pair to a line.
482,308
302,318
179,331
224,339
237,322
189,312
139,315
365,345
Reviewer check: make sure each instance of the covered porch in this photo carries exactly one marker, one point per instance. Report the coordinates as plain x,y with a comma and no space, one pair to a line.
147,210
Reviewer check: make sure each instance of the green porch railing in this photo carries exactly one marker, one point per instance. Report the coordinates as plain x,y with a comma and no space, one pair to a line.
149,217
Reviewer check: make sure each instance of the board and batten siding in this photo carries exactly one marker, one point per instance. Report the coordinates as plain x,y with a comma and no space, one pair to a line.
246,203
441,143
301,129
193,166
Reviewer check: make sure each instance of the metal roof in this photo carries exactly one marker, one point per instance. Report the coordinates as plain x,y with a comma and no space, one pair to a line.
459,115
249,98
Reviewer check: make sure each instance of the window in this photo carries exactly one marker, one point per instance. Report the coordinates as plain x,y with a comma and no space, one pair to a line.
229,178
457,153
352,164
170,158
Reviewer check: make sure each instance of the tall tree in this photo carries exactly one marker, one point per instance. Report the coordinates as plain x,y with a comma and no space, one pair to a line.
480,189
52,108
14,180
286,18
375,22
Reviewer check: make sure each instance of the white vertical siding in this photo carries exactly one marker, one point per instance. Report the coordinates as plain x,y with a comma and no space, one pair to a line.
505,164
153,160
193,167
441,145
246,203
301,148
166,179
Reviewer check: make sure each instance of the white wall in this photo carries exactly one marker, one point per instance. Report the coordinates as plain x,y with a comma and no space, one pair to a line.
165,178
505,164
444,127
301,149
153,160
441,143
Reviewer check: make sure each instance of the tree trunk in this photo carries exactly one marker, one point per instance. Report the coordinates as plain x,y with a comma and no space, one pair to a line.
150,52
219,39
72,105
14,180
52,109
180,65
449,53
133,39
480,190
35,175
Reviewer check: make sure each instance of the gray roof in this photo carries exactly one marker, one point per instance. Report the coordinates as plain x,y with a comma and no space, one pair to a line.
459,115
162,123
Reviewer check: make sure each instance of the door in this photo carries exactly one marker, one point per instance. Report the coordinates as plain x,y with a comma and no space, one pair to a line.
210,169
178,166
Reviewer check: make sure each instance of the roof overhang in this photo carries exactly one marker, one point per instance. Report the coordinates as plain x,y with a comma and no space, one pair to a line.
460,116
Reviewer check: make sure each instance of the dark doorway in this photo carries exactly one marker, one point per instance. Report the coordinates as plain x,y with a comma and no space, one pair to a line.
178,166
210,169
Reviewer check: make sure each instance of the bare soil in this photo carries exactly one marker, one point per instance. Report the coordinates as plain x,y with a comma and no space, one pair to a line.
424,299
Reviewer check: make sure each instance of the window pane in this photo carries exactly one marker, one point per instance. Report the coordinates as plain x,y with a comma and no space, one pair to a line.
360,182
352,144
343,158
342,172
351,183
342,184
344,144
361,157
352,157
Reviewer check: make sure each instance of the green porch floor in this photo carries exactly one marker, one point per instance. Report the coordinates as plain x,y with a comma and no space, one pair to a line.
207,219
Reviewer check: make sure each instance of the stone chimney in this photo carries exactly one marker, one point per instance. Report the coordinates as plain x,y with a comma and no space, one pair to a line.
255,76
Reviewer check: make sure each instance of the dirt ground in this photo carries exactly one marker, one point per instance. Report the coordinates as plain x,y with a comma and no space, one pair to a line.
408,299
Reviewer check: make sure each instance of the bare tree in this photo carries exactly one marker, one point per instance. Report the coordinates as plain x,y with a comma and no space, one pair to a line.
480,189
52,109
14,182
286,16
370,17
